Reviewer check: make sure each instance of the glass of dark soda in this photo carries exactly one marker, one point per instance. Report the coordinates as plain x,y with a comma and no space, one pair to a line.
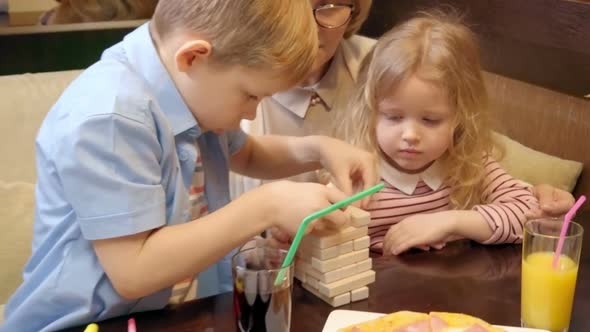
261,303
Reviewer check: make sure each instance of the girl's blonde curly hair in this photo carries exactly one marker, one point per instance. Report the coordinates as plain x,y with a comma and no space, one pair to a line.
443,51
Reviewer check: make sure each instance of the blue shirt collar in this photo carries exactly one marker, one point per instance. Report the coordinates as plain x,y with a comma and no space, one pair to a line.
143,56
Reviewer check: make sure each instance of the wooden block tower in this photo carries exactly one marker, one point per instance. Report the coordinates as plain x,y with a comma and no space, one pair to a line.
334,265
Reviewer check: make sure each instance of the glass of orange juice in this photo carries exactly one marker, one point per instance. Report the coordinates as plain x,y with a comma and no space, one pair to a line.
547,292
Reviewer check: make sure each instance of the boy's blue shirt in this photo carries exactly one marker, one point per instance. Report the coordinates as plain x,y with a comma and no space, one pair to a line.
115,156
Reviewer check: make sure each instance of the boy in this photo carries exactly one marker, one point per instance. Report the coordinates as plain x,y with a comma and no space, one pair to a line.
117,159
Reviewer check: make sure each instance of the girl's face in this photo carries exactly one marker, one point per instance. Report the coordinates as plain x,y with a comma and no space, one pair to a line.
414,125
332,18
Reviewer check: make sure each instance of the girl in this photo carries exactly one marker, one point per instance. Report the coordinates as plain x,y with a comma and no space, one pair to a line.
421,107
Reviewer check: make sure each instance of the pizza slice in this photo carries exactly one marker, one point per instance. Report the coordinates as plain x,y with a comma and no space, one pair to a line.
410,321
454,322
401,321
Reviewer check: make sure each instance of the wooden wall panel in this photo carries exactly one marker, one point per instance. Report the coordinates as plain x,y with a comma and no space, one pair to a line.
545,120
544,42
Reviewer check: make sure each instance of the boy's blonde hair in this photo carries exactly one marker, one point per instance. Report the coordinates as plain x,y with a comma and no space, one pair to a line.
359,16
280,36
439,49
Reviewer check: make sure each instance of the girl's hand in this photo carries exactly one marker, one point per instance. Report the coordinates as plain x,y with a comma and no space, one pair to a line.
553,202
423,231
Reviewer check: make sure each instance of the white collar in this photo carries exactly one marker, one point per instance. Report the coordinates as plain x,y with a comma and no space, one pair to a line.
297,99
433,177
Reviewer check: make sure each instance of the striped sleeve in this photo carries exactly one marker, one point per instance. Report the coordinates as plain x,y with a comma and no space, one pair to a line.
506,201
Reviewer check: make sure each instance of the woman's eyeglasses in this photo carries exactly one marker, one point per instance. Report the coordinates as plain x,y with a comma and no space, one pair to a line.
333,16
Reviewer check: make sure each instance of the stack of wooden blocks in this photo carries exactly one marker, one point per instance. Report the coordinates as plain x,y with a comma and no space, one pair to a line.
334,265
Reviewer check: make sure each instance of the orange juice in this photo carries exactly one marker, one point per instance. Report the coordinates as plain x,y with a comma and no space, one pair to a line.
547,293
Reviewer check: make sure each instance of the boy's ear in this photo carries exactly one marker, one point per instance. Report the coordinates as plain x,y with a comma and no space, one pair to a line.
190,52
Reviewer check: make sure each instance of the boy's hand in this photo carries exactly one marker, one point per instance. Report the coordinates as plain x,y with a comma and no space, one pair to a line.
279,239
350,167
291,202
421,231
553,202
274,240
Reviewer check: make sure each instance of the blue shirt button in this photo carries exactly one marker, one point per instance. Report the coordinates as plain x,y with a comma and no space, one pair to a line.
183,155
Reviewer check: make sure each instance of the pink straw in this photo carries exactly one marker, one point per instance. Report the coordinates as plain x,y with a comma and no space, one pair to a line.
131,325
566,222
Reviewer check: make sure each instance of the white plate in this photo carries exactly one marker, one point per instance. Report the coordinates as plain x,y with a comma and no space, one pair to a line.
342,318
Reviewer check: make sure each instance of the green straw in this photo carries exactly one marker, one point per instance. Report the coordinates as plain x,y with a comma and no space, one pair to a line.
316,215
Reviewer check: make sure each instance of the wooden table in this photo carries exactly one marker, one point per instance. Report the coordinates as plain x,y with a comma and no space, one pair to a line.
464,277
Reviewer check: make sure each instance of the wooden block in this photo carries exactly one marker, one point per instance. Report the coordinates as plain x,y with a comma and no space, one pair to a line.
300,273
363,266
359,218
359,294
340,261
341,273
312,282
335,301
306,265
310,278
313,273
335,275
328,238
301,264
361,243
347,284
303,256
331,252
